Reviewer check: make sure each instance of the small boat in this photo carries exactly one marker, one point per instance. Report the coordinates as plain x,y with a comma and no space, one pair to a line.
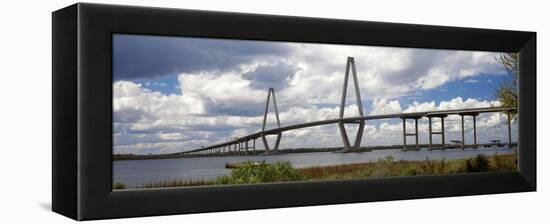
233,165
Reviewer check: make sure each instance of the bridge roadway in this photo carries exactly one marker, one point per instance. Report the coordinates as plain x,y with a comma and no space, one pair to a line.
414,115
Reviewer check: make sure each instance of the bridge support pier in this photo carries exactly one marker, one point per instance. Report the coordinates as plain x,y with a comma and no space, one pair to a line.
462,129
509,130
246,147
275,147
345,138
415,134
474,115
241,149
431,132
475,132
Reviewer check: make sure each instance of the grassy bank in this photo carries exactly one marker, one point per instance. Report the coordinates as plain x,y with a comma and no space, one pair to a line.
251,173
388,167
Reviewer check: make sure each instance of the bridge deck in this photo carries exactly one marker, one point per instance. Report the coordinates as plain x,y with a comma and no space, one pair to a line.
351,119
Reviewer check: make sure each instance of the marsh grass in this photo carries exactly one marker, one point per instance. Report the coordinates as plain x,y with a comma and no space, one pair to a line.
388,167
251,173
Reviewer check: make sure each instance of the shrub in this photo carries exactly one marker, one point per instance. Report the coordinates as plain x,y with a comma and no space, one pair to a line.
480,163
381,167
428,166
497,162
411,171
263,172
119,186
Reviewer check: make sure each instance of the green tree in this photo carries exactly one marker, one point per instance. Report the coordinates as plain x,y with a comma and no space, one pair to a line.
507,92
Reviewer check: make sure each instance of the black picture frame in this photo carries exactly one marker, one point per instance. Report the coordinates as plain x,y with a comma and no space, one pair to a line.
82,110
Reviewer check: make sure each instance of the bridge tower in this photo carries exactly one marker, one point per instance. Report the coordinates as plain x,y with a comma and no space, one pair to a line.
271,92
341,124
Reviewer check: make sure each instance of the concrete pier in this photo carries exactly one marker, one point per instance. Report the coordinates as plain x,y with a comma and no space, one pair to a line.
441,132
414,117
509,129
473,115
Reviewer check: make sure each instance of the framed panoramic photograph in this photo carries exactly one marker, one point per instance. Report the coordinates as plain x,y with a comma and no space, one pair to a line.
203,111
195,111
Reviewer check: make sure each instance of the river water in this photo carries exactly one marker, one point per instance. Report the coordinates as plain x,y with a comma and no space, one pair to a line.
139,172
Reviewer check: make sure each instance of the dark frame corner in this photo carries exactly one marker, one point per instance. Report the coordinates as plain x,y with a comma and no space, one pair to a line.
82,99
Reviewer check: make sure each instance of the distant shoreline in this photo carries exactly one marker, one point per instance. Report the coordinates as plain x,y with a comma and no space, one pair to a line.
117,157
121,157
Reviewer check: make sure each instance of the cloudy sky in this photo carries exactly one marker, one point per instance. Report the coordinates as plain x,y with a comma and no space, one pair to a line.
173,94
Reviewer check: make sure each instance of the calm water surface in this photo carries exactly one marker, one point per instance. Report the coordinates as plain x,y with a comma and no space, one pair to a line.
139,172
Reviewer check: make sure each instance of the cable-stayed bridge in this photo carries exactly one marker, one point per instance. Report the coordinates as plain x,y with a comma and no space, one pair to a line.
245,144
